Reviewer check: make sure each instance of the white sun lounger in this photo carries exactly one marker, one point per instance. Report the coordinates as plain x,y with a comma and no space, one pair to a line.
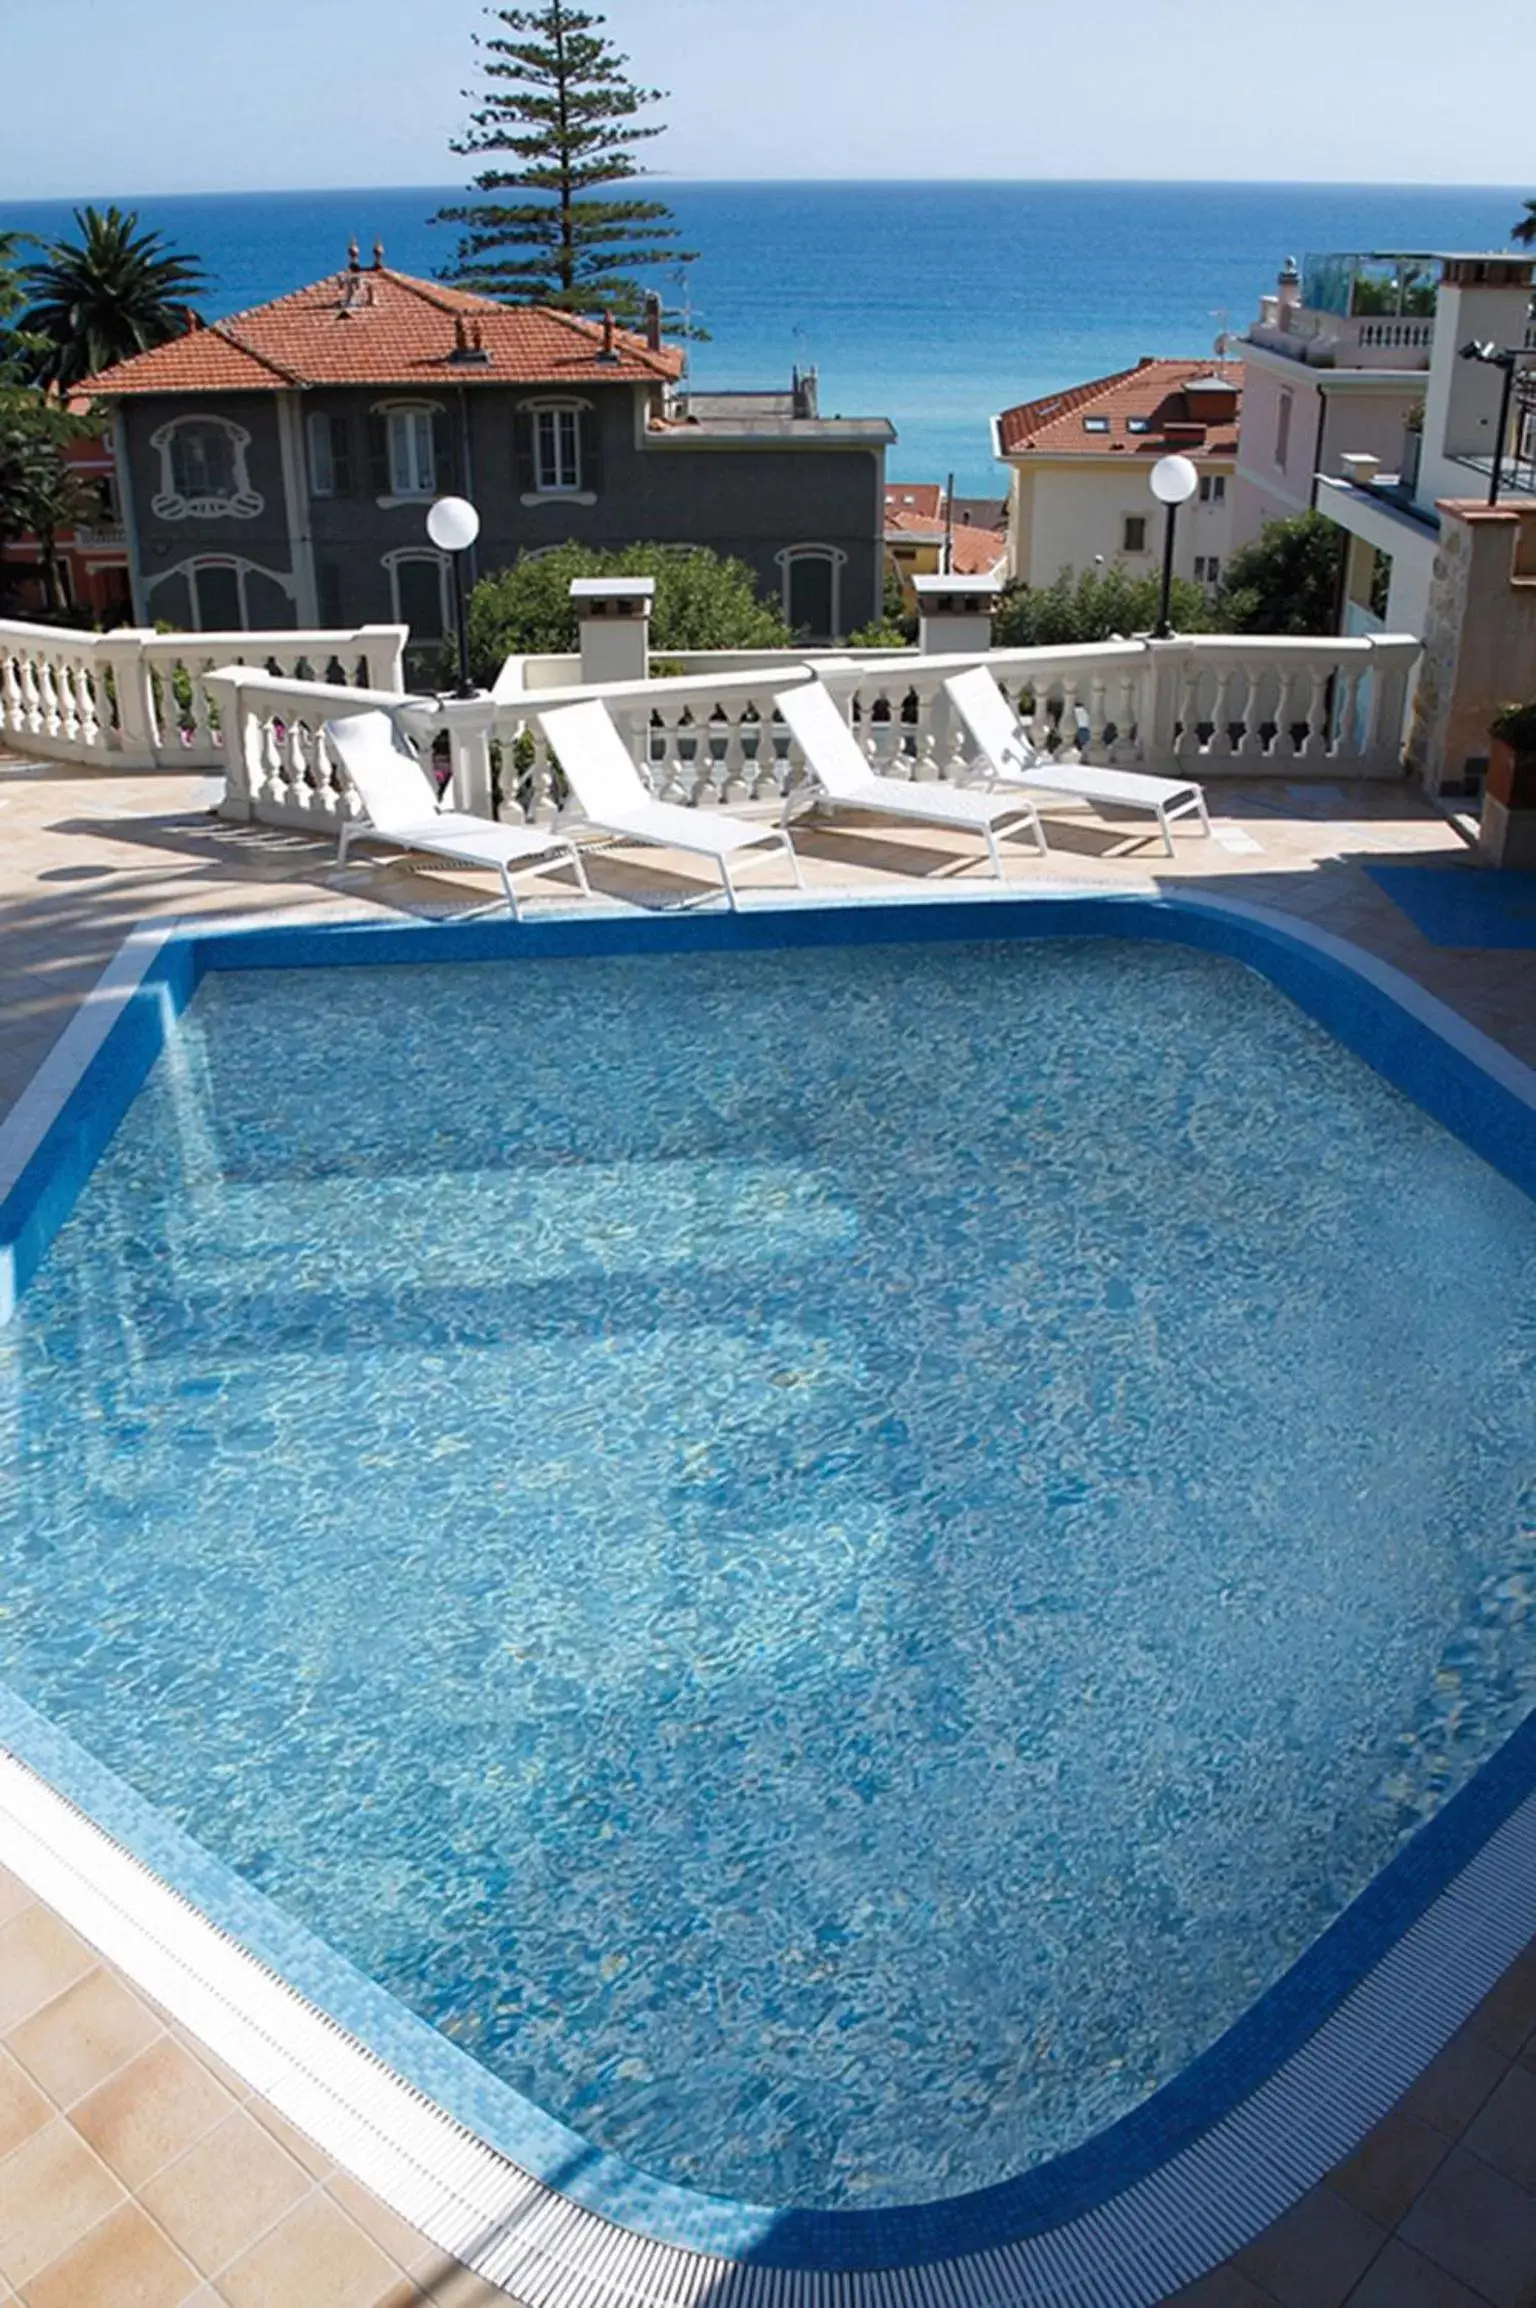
403,811
612,797
833,757
1011,762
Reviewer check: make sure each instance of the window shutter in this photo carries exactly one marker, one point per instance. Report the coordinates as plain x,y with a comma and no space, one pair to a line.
590,450
442,453
378,454
522,452
341,456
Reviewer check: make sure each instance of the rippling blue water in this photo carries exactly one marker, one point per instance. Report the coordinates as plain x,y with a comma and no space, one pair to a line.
829,1559
934,304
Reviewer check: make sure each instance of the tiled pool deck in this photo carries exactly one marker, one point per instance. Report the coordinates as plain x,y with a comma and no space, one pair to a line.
136,2171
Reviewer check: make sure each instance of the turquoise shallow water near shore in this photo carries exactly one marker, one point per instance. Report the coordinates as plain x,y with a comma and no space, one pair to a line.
934,304
831,1602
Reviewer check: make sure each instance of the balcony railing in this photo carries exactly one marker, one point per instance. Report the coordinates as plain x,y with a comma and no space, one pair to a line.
1209,706
138,700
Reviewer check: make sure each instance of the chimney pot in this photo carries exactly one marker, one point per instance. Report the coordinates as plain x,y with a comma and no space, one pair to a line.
378,256
653,322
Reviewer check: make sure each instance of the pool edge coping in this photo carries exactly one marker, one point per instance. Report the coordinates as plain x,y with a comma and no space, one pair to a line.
60,1077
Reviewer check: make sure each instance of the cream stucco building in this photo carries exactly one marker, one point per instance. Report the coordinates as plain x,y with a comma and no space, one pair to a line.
1079,459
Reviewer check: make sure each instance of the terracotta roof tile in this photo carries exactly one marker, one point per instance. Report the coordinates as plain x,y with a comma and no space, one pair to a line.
378,327
976,552
1153,393
925,497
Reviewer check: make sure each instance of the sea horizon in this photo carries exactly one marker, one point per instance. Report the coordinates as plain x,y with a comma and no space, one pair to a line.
934,301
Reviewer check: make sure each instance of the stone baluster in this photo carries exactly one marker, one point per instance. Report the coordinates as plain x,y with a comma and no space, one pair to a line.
1097,748
736,769
1124,750
1314,744
11,705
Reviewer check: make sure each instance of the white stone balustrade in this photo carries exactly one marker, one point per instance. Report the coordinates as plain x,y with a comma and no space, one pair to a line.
708,738
133,699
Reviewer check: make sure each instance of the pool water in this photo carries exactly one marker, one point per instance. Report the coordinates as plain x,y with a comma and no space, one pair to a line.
828,1559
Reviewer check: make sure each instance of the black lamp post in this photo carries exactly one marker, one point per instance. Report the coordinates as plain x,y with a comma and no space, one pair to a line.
1173,481
1491,357
453,525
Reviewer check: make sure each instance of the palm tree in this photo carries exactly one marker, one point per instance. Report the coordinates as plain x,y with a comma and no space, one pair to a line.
114,293
1525,230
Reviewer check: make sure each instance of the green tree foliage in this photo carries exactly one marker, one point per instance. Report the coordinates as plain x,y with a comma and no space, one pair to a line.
115,292
1286,581
40,494
560,103
702,602
1524,231
896,625
1096,605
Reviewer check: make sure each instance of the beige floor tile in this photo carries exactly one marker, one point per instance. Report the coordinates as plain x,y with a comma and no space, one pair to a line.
404,2244
1403,2278
152,2111
225,2193
316,2258
1389,2167
123,2263
1506,2017
1453,2087
1315,2254
39,1958
445,2284
1503,2132
52,2190
23,2108
84,2036
1225,2287
14,1895
1479,2226
298,2144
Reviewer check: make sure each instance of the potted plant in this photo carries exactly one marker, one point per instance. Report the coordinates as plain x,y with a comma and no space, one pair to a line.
1512,756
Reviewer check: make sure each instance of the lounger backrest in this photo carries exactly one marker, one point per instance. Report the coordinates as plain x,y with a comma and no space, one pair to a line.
991,720
389,782
595,760
829,745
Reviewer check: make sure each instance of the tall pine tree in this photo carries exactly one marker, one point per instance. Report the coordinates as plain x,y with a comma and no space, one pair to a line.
559,100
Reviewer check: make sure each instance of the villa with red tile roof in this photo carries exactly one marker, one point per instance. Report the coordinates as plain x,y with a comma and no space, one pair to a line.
275,469
1079,461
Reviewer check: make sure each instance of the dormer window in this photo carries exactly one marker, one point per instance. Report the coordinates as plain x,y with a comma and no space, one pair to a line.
203,473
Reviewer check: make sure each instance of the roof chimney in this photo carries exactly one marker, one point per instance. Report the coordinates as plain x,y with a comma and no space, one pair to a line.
378,256
609,353
354,257
653,321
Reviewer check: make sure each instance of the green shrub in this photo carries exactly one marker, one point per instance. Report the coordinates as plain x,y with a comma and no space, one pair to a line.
702,602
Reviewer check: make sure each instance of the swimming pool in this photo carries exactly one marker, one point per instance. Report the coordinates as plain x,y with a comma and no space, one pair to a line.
830,1559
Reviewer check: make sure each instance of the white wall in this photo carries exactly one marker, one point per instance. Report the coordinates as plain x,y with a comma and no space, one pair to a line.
1067,513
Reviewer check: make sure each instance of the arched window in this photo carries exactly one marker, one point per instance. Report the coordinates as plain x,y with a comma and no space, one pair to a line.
203,473
419,589
226,594
813,585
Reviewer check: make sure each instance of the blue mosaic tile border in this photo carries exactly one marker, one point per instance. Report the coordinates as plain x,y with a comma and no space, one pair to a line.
1492,1108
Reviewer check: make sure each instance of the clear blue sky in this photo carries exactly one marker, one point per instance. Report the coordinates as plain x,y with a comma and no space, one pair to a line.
141,96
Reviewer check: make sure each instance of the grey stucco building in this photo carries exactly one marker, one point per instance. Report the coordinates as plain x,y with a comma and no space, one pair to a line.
275,469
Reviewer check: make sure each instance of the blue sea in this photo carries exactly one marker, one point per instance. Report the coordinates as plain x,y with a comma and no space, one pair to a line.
933,304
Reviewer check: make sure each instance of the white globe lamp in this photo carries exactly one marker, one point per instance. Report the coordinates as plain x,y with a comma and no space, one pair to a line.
1173,482
453,525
